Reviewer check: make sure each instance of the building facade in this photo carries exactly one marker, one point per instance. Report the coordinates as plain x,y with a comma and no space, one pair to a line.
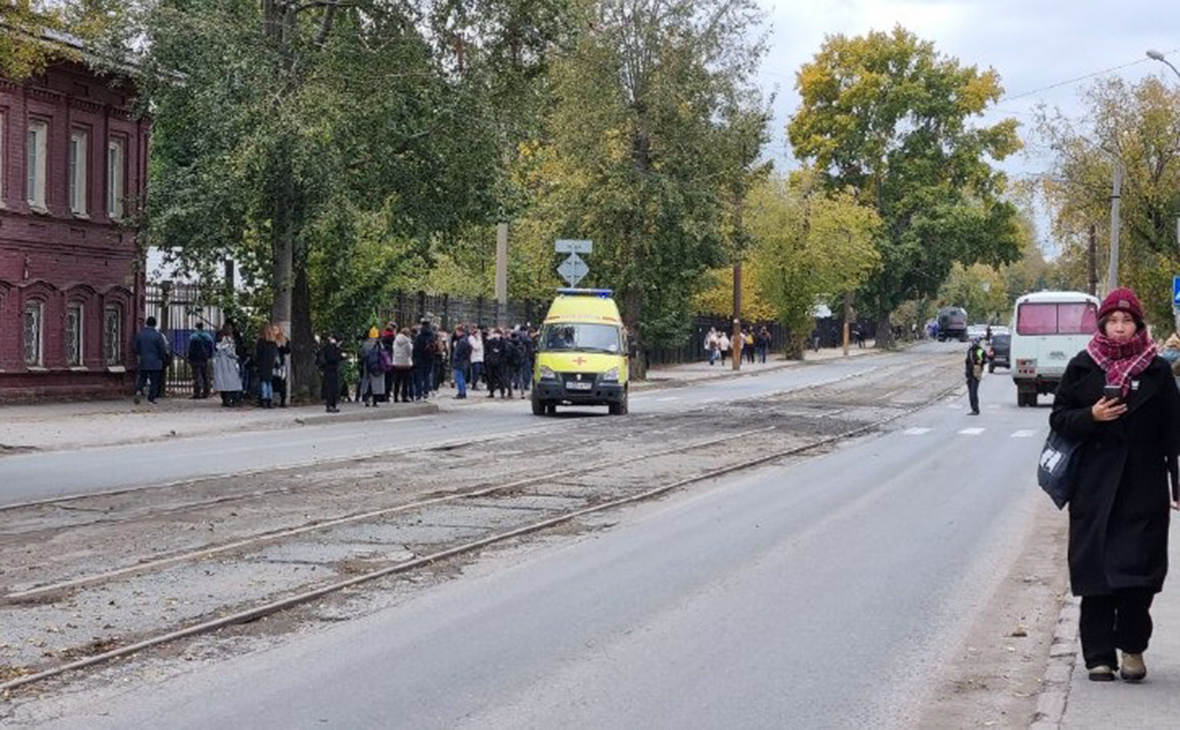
73,167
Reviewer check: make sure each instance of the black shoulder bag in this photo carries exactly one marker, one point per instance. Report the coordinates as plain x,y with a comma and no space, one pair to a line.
1055,470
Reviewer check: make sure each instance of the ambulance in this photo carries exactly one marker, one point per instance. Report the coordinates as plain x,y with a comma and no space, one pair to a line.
582,357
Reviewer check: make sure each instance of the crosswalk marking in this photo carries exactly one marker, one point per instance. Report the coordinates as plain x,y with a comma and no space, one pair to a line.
916,431
665,400
1023,433
972,431
954,405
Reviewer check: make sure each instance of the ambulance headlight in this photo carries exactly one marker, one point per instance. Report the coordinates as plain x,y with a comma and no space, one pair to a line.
612,375
547,373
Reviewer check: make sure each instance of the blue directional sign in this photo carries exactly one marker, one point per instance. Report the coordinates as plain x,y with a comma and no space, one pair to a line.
1176,292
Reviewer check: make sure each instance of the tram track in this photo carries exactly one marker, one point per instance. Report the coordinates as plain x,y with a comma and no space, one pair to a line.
536,487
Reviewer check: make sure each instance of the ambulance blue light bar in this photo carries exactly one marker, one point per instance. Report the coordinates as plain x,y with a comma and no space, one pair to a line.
600,293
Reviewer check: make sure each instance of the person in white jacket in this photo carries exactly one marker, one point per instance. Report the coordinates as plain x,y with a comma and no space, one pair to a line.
403,367
476,340
723,345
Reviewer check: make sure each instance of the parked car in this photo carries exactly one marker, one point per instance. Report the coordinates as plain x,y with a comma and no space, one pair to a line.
977,331
999,352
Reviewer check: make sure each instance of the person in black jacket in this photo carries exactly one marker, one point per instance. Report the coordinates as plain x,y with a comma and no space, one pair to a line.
460,360
496,361
1119,510
976,358
266,356
328,360
423,360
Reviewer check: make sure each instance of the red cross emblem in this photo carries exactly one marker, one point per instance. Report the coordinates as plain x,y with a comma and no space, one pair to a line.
580,360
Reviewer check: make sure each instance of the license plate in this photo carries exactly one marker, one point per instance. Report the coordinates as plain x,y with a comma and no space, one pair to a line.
579,385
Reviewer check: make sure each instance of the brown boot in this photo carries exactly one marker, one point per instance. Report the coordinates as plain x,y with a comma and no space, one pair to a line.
1133,669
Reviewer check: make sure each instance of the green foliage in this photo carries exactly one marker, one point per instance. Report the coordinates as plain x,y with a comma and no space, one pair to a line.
1137,125
888,116
23,52
649,108
808,247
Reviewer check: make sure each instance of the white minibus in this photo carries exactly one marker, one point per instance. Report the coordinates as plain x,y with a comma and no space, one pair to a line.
1048,329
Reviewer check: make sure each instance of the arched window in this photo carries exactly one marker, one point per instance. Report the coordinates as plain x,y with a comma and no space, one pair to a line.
33,334
112,334
73,334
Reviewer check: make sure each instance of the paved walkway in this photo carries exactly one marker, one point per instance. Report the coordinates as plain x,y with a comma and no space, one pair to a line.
52,426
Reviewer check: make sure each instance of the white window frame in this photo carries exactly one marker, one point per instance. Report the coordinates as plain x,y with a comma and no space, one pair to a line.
112,342
3,157
116,176
78,180
35,357
36,154
76,356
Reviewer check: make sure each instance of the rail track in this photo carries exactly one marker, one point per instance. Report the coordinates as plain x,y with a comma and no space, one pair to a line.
510,509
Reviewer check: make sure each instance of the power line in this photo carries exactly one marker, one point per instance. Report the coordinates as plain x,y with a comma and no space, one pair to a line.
1059,84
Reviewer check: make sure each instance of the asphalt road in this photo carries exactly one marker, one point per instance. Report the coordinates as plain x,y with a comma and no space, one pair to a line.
36,476
824,594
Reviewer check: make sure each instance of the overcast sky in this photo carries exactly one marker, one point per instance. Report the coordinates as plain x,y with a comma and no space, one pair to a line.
1033,44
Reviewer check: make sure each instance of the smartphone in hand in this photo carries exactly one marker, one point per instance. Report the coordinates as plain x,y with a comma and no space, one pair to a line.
1112,392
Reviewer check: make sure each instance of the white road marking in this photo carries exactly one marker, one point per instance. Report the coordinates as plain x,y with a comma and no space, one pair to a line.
971,431
665,400
916,431
954,405
1024,433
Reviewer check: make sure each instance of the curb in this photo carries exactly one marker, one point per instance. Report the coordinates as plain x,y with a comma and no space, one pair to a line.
404,410
1063,655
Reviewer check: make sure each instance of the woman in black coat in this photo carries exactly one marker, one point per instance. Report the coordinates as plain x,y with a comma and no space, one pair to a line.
328,359
1118,515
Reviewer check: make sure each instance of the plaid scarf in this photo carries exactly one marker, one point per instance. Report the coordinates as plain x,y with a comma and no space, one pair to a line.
1122,360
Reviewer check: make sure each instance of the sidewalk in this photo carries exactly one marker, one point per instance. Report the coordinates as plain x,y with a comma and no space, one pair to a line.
1153,703
56,426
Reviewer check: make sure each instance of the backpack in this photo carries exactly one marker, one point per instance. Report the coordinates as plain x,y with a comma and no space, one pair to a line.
373,361
386,359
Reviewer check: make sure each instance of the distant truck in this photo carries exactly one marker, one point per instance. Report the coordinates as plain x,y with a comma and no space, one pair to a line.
952,324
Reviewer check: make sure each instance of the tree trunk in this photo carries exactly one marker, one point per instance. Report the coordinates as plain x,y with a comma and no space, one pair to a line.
632,304
884,331
305,385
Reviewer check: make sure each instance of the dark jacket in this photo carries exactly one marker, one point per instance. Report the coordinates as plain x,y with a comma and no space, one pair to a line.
200,347
494,351
328,359
424,347
461,353
266,356
151,348
1119,513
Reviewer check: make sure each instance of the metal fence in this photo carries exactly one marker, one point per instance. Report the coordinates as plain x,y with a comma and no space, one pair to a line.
447,312
177,308
692,347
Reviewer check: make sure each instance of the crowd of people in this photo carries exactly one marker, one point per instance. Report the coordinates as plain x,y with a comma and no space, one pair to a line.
719,346
412,363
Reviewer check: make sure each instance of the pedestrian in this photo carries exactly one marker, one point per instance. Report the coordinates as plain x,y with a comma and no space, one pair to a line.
976,358
279,378
460,360
227,374
423,360
712,345
328,360
477,361
372,369
403,366
514,357
1171,352
266,355
388,335
152,350
200,352
859,336
494,361
748,345
723,345
763,344
1119,400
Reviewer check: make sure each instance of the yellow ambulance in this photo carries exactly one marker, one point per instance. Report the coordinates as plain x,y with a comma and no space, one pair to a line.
581,354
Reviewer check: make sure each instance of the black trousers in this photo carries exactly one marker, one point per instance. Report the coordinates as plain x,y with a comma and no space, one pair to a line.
402,384
1118,621
973,393
200,379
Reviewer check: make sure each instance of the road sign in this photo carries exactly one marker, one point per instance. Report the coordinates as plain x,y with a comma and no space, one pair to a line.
567,245
1176,292
573,269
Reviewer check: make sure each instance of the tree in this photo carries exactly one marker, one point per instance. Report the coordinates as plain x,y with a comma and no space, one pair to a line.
888,116
639,149
1135,125
808,246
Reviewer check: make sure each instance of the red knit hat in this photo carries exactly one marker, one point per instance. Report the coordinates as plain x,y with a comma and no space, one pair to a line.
1121,300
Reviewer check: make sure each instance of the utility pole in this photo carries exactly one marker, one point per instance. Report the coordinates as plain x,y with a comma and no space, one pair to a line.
737,339
501,274
1112,273
1092,263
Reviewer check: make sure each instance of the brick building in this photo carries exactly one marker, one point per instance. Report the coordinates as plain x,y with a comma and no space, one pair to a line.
72,170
